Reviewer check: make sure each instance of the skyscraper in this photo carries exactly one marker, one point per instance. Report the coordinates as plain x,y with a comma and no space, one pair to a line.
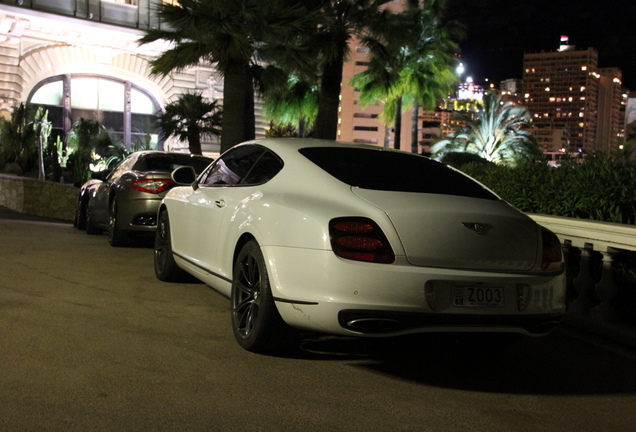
574,104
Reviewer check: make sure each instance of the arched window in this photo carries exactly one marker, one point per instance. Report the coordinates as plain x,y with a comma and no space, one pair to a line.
128,112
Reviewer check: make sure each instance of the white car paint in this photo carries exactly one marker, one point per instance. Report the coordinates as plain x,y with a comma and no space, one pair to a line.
289,215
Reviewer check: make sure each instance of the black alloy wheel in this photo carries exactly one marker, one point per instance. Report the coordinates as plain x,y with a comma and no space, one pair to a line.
90,224
256,322
166,269
116,236
80,215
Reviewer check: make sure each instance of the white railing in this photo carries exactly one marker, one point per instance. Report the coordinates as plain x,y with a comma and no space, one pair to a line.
591,248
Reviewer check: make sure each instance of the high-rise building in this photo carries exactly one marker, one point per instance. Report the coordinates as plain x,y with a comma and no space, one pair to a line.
611,114
561,92
81,58
575,105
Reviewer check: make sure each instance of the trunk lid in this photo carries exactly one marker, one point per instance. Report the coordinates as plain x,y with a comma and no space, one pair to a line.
459,232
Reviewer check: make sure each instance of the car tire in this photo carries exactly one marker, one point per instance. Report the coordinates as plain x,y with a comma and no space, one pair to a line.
116,236
79,221
166,269
256,323
90,225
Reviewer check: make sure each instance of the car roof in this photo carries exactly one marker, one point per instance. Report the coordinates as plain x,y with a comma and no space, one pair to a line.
289,147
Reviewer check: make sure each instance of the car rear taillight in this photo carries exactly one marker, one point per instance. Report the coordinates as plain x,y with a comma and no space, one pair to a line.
153,186
552,255
360,239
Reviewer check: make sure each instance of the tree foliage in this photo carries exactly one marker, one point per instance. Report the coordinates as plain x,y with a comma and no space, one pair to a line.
235,37
190,118
17,139
412,62
82,141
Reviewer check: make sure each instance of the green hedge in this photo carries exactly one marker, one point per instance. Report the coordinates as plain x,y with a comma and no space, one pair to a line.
598,189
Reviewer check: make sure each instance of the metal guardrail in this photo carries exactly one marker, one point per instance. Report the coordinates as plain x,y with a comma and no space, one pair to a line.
598,300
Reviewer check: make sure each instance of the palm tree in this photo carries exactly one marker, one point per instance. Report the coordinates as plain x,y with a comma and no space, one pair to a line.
499,133
42,128
82,140
190,118
344,19
411,64
290,100
233,36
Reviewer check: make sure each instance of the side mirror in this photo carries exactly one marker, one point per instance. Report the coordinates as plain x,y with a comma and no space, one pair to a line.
184,176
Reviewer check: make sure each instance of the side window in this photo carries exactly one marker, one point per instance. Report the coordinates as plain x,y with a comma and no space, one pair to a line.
123,166
232,167
266,167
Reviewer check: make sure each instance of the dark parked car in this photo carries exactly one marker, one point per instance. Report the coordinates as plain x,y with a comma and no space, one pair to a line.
124,201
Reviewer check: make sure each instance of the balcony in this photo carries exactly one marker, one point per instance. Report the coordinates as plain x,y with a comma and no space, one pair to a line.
140,15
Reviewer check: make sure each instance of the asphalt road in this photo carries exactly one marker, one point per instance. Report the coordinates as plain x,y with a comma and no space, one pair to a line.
90,340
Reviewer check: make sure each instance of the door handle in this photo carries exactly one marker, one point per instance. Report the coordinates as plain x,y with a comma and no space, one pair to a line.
220,203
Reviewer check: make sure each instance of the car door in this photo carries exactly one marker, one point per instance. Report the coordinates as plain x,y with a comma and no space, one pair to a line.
197,220
99,202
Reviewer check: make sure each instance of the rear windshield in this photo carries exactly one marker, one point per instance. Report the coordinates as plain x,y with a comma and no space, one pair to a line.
170,162
393,171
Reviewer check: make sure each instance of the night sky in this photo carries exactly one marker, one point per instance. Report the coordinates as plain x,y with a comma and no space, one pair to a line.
500,31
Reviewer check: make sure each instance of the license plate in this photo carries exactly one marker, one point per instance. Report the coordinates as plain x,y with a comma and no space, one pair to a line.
478,296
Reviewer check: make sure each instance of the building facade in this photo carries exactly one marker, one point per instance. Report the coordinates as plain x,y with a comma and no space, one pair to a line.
575,105
81,59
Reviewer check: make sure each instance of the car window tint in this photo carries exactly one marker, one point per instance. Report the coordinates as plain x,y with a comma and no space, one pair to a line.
393,171
232,167
170,162
267,166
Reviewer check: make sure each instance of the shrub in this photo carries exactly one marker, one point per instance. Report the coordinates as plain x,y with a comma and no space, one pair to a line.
600,188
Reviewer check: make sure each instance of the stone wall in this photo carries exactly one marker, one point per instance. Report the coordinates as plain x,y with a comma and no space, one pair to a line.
38,198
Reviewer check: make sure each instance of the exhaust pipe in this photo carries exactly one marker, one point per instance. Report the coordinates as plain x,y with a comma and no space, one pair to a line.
374,325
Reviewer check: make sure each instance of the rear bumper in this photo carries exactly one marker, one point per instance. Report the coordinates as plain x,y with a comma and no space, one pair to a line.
139,215
315,290
377,323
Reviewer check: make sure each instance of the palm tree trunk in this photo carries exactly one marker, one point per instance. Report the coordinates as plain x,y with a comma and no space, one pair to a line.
194,141
328,100
301,128
397,142
414,124
238,114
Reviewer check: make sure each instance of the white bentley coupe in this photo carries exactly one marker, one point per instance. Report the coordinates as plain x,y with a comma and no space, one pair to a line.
354,239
